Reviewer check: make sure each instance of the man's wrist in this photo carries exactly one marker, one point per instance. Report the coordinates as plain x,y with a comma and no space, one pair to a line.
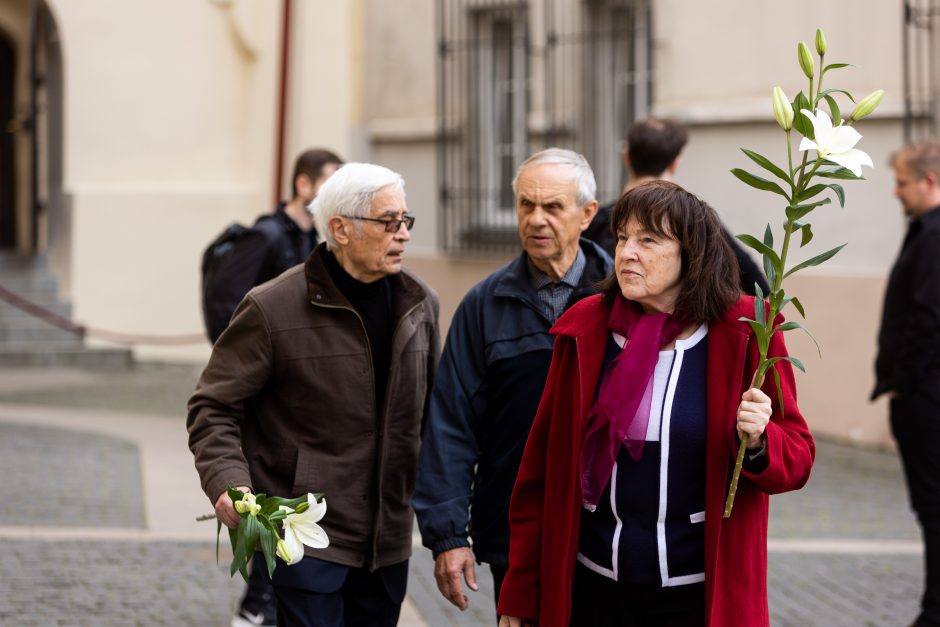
442,546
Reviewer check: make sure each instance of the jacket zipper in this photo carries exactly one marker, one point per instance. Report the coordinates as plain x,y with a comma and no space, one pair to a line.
380,456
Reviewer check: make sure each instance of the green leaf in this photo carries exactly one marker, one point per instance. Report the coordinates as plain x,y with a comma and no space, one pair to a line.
765,163
269,548
760,247
806,194
793,360
800,122
759,183
835,66
760,332
769,272
798,211
799,306
815,261
834,112
779,392
760,314
838,173
806,235
826,92
768,237
839,192
789,326
240,556
218,534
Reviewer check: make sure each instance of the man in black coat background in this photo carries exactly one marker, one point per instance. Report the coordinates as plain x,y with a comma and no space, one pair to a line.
908,364
654,149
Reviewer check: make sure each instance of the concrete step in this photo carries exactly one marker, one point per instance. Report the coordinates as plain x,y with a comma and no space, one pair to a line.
64,354
48,302
11,333
30,284
15,261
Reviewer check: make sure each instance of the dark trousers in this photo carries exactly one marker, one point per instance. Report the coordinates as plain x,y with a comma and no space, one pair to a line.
499,573
597,601
315,593
915,423
258,592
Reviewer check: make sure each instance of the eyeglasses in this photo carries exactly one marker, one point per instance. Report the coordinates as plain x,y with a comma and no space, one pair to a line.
391,226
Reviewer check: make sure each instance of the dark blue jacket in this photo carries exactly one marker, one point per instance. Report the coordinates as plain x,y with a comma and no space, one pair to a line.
486,392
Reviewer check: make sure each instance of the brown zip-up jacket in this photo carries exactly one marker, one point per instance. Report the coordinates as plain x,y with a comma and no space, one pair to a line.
286,406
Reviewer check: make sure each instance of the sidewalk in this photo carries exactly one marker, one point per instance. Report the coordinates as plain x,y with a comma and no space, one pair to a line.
97,523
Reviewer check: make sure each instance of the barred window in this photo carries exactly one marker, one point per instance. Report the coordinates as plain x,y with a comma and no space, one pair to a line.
516,77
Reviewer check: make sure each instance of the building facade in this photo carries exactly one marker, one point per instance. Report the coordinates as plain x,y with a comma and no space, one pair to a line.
134,132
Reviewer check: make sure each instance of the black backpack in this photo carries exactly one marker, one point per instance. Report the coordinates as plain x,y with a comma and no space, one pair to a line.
227,274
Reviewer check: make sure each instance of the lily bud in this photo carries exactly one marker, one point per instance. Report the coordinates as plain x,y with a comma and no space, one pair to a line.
806,59
820,42
783,111
247,505
867,104
283,551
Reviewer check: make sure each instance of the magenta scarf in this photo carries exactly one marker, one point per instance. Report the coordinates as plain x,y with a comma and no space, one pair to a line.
621,413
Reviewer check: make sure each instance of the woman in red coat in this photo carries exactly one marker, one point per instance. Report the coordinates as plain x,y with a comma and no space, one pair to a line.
616,516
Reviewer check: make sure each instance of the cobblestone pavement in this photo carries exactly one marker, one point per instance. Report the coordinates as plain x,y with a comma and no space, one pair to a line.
89,536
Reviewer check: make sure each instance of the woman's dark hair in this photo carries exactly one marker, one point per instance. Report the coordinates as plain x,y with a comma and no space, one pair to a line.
709,268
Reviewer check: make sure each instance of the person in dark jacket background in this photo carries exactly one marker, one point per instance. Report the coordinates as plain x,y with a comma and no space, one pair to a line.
654,150
908,364
493,369
275,243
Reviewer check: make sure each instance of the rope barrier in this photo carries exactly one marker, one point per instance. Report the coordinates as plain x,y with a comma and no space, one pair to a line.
84,331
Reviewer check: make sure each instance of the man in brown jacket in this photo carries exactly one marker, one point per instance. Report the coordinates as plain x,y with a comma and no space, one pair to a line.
320,384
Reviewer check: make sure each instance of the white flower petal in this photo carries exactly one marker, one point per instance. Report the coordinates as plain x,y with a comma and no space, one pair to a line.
853,160
294,545
316,509
843,139
311,534
809,144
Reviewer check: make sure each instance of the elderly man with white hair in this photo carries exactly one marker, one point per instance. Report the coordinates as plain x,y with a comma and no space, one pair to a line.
320,384
494,367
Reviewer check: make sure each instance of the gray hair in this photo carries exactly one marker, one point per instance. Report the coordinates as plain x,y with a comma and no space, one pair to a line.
583,174
349,192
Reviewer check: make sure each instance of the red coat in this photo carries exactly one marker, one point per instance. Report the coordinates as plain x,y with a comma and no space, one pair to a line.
545,513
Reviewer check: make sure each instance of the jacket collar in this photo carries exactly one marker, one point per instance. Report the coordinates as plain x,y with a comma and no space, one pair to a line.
406,291
514,282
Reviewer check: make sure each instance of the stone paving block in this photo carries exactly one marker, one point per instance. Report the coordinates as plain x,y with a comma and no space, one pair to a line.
69,478
114,583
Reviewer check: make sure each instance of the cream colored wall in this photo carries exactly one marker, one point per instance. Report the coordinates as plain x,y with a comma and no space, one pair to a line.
719,60
169,135
724,96
325,88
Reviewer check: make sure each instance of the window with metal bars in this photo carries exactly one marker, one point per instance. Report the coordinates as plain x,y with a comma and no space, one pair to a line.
515,77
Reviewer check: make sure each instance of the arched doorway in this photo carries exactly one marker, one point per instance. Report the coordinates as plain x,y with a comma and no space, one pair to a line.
7,144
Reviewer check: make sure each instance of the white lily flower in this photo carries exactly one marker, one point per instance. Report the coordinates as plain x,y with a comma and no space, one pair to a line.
302,529
284,552
835,143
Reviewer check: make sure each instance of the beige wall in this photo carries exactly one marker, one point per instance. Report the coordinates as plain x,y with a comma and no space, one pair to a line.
170,118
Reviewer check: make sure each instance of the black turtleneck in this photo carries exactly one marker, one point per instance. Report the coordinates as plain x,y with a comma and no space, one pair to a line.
373,303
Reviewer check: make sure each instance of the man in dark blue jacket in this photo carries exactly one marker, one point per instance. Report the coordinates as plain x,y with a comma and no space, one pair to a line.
493,368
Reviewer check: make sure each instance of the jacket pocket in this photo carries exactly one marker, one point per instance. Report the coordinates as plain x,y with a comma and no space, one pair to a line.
306,474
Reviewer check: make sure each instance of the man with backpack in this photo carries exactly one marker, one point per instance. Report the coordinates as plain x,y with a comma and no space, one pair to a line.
242,257
238,260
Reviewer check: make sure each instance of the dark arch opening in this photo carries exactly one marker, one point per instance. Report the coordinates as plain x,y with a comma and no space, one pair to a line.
7,145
